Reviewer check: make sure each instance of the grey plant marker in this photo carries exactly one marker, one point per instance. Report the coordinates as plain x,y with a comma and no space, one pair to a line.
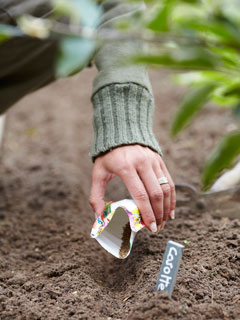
169,269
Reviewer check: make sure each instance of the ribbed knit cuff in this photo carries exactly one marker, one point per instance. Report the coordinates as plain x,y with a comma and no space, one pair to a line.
122,116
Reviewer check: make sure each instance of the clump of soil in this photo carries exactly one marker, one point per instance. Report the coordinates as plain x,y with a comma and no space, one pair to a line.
50,268
125,247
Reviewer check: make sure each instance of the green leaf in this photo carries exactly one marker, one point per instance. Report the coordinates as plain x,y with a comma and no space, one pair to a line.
221,158
233,90
191,1
221,30
190,58
161,19
220,97
192,103
230,56
3,37
6,32
75,52
197,78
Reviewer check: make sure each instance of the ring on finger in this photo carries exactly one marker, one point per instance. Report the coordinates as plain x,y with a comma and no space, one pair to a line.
163,180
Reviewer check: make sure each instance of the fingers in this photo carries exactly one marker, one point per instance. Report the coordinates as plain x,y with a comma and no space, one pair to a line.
154,191
165,189
139,194
139,168
172,190
97,192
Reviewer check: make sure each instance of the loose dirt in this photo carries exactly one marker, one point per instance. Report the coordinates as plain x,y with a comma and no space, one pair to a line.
50,268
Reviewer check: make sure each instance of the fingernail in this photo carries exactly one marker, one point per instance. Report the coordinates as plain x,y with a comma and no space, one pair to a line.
172,214
158,228
163,224
153,227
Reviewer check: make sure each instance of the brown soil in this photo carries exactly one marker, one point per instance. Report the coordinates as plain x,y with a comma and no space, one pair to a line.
50,268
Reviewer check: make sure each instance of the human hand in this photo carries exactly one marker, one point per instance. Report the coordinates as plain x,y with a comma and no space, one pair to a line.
139,168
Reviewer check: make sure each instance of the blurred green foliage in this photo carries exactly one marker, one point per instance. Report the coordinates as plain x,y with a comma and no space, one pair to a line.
191,104
76,36
75,50
6,32
222,156
201,40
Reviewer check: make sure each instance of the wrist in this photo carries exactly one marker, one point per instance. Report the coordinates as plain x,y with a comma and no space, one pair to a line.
123,116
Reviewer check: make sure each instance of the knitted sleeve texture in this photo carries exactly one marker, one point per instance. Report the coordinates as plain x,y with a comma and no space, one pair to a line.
123,115
122,94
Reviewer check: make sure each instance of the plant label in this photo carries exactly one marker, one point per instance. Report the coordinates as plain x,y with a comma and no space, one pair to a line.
169,269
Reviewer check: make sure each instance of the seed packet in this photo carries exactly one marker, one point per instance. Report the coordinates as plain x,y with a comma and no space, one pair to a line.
117,227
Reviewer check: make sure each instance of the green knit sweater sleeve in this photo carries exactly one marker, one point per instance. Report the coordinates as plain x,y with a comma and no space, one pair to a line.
122,94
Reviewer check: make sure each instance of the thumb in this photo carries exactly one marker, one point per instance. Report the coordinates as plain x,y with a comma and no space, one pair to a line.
97,192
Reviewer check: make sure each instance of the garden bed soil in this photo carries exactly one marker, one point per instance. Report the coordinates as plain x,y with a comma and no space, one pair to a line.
50,268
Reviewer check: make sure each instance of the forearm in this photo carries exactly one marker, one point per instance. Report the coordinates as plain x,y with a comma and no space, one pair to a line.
122,94
111,56
123,115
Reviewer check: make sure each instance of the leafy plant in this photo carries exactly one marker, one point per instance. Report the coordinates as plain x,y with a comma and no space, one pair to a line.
201,40
75,50
76,38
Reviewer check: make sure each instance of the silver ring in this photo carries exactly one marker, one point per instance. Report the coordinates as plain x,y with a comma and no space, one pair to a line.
163,180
